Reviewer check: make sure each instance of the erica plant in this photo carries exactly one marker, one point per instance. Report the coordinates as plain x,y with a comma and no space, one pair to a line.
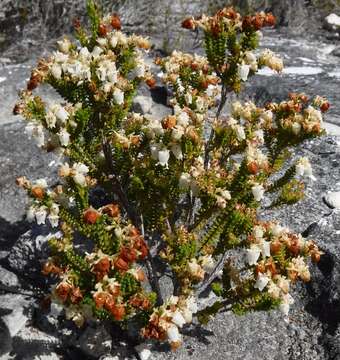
179,196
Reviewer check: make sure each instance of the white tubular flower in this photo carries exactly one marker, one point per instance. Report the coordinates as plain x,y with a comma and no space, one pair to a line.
192,304
261,282
237,108
304,168
40,215
50,119
61,114
184,181
258,232
64,137
41,183
96,52
207,262
240,133
273,290
80,172
154,149
177,133
183,119
178,319
296,128
265,248
176,149
277,229
64,45
253,254
56,71
163,157
195,270
258,192
243,72
287,300
113,40
118,96
30,214
54,220
173,334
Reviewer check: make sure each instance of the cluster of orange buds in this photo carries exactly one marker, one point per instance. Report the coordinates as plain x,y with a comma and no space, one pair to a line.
129,254
258,21
153,330
108,301
49,267
66,291
139,301
91,215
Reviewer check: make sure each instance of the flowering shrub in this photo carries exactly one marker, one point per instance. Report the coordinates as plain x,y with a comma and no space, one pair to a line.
140,198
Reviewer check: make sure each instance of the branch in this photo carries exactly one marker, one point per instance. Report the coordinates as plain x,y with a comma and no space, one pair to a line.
117,187
223,100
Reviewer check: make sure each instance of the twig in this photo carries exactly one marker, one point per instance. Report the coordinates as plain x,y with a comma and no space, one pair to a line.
223,100
153,277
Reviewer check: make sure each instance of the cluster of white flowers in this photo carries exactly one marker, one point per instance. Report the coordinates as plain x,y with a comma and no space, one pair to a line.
271,60
197,268
304,168
171,317
78,172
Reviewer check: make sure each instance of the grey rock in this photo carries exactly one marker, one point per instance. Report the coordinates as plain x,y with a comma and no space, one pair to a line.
142,104
19,308
8,280
29,251
332,199
336,51
95,341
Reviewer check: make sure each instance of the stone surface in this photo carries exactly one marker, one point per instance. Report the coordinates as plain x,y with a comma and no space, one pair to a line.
95,341
28,252
313,330
8,280
18,309
142,104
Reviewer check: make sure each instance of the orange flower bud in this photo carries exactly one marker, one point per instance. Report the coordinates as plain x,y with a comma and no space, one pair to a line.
140,275
111,210
270,20
258,22
118,311
134,232
63,290
115,22
76,24
316,255
189,24
38,192
275,247
325,106
103,265
100,299
121,264
253,168
128,254
102,30
76,295
91,216
18,108
169,122
151,82
33,82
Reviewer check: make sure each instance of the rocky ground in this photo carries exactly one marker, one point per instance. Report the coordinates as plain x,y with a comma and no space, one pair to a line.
27,331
